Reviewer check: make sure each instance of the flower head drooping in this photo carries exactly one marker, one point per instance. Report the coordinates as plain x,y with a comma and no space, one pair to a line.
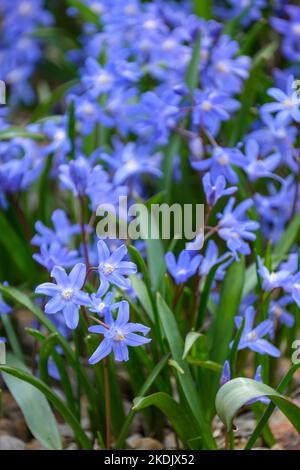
66,294
118,335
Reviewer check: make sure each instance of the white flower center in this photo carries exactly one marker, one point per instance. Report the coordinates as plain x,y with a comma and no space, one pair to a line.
251,336
25,8
288,103
149,24
132,165
297,286
223,159
101,306
296,28
273,277
14,76
168,44
107,269
88,108
97,8
104,78
206,105
278,312
67,294
222,66
130,10
59,136
119,335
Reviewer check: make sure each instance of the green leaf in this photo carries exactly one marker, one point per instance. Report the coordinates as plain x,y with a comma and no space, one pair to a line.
210,365
43,109
55,400
35,408
192,73
13,132
176,366
143,295
248,97
230,298
71,129
174,412
12,337
154,248
190,339
206,293
203,8
269,410
142,268
16,247
238,392
87,13
186,382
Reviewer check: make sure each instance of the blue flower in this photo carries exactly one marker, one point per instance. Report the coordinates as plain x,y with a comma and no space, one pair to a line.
226,375
235,229
287,103
118,335
131,160
221,162
279,313
257,167
4,307
272,280
62,233
55,255
111,267
57,133
226,71
97,79
252,337
211,108
185,267
101,303
75,175
293,288
290,29
66,294
211,258
215,189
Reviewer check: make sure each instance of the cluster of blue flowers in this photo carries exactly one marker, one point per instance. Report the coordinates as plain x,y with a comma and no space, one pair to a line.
132,86
19,50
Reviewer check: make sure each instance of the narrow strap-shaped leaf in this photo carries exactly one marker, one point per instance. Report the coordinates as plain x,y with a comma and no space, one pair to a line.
238,392
54,399
186,382
34,406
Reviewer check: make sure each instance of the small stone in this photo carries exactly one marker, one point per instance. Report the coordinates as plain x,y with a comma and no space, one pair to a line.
11,443
143,443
